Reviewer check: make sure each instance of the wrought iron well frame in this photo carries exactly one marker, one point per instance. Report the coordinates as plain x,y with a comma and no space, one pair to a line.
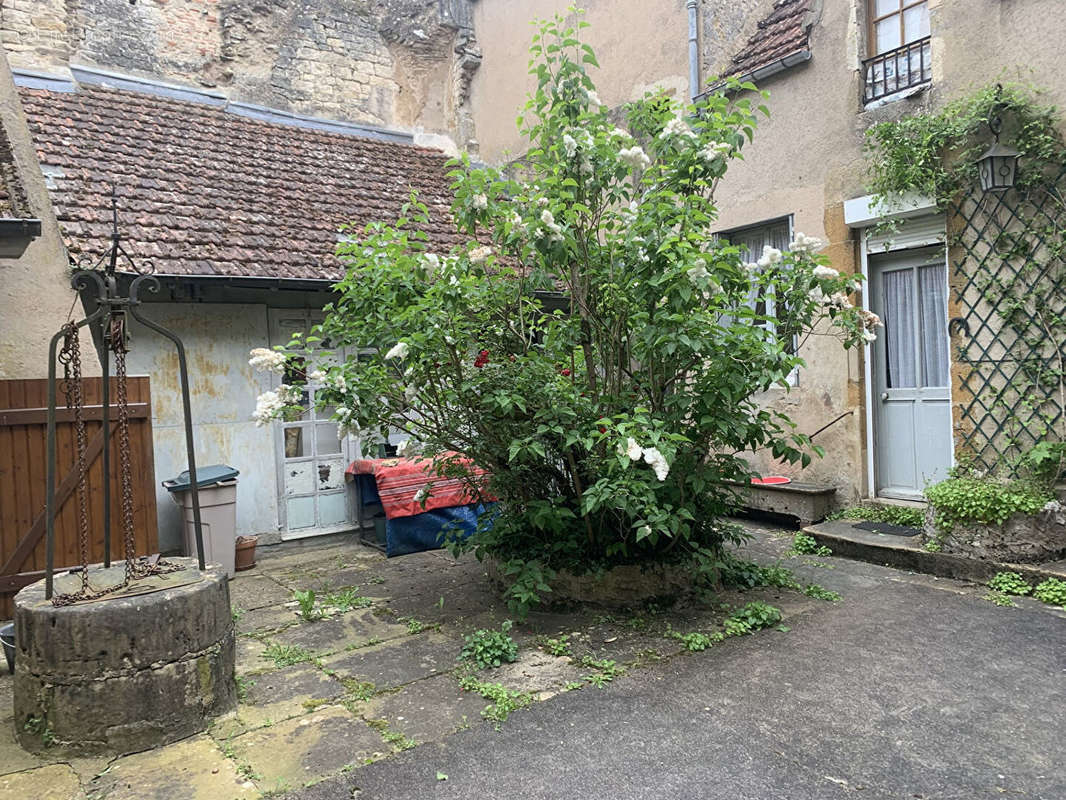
110,302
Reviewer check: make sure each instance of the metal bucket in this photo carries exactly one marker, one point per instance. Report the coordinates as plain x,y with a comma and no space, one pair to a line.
7,636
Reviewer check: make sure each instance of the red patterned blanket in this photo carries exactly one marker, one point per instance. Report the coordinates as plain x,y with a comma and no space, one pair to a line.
400,480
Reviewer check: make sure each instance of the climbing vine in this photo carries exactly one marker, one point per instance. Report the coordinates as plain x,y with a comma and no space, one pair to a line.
1009,260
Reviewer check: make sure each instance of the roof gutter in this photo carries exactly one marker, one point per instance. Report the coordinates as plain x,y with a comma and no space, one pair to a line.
765,71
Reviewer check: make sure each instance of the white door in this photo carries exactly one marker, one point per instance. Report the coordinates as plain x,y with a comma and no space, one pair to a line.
311,459
911,372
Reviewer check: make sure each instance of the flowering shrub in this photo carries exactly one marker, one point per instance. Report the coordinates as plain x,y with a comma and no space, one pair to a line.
593,346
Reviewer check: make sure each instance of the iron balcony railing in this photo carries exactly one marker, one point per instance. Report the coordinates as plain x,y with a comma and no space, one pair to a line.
897,70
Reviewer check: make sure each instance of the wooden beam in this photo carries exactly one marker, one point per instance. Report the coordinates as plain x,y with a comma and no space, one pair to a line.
39,416
9,584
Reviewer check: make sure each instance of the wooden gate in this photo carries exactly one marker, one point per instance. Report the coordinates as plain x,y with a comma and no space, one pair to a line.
23,432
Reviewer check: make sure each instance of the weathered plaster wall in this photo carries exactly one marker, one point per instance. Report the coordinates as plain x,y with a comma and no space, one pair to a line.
395,63
35,294
639,45
217,339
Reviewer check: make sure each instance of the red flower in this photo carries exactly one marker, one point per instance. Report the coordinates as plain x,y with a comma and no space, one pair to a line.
565,373
603,429
482,359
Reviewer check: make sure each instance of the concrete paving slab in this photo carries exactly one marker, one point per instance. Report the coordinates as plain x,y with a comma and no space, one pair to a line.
193,769
535,671
352,630
426,710
250,655
307,748
275,696
397,661
265,620
256,591
54,782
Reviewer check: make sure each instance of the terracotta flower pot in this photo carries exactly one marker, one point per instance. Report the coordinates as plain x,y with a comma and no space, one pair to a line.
246,552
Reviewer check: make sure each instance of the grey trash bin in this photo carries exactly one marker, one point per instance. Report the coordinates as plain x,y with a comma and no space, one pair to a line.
218,512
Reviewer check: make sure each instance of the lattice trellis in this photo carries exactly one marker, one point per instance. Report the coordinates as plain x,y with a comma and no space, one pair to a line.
1009,280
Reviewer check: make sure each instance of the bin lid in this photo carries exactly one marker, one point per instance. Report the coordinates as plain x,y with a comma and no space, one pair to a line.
205,476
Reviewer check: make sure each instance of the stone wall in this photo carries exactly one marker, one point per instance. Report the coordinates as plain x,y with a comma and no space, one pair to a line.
395,63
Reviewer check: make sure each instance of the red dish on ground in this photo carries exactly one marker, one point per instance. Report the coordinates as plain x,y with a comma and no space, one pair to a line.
771,480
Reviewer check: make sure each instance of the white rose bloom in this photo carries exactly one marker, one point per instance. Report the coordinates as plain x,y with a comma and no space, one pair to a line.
265,360
569,145
770,256
479,255
677,127
267,405
658,462
399,350
633,450
804,244
318,376
839,300
634,157
480,202
825,273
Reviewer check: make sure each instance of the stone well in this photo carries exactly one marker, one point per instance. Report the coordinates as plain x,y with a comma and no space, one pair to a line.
147,666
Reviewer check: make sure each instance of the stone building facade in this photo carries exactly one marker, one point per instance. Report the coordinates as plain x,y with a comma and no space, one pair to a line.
402,64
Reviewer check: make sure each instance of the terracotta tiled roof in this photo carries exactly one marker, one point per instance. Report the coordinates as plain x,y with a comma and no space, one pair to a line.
206,192
781,33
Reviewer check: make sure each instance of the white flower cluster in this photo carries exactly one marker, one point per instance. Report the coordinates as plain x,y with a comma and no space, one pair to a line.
770,256
430,265
553,230
825,273
265,360
569,145
837,300
677,127
479,202
634,157
423,494
346,423
714,150
269,404
408,448
651,455
804,244
399,350
518,224
594,100
479,255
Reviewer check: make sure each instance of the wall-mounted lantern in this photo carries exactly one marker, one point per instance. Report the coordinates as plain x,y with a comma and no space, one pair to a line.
998,166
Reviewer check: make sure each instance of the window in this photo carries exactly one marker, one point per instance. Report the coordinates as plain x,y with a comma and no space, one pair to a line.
898,38
751,241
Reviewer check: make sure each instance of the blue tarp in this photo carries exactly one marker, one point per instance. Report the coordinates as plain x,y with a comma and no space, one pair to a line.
406,535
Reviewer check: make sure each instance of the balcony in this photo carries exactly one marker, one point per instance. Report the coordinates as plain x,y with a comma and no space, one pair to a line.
897,70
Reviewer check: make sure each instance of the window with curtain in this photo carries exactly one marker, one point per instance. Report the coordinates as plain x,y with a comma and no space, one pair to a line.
915,317
751,242
895,23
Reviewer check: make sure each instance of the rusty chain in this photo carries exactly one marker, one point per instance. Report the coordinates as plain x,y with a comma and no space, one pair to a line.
70,358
